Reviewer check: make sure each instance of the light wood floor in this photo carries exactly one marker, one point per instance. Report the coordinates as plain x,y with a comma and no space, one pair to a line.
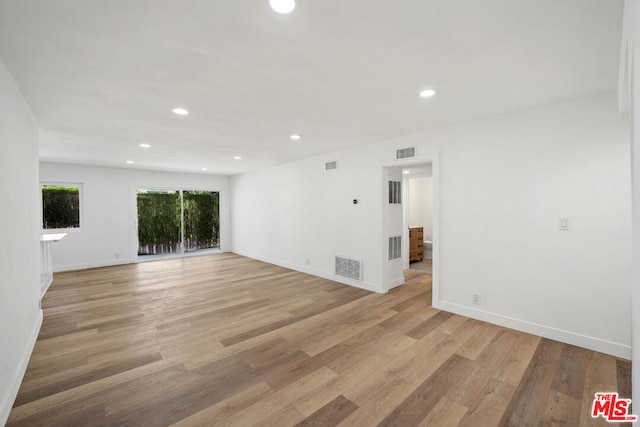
223,340
424,266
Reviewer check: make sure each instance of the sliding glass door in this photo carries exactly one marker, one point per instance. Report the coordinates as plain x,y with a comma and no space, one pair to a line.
201,212
177,221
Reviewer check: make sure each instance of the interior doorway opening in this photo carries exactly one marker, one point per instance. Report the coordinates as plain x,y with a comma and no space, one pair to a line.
395,223
418,217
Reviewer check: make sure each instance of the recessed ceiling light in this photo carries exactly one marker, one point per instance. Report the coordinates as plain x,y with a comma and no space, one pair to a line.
145,145
129,162
295,137
238,157
203,169
180,111
406,171
427,93
282,6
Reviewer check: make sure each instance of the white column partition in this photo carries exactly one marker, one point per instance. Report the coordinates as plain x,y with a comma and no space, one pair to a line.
46,273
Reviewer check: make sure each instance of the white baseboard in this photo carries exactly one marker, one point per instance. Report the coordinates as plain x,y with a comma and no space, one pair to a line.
7,400
114,262
83,266
568,337
45,284
312,271
396,283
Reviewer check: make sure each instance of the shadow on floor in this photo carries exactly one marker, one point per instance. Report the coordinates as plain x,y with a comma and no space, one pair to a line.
424,266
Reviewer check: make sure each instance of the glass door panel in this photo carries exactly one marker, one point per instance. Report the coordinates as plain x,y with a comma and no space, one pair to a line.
201,220
159,222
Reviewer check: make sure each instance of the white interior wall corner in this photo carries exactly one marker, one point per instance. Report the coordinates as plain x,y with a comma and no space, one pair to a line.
20,313
504,183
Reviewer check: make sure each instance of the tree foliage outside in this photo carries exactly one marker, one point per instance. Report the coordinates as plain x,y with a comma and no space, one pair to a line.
60,207
201,220
159,221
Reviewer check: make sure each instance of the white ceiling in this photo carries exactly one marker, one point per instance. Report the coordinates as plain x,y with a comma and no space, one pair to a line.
418,171
102,76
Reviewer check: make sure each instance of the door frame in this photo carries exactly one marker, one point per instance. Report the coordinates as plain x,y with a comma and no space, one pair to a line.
434,159
133,229
406,196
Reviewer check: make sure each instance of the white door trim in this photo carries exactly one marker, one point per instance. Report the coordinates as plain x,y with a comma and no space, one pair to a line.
434,159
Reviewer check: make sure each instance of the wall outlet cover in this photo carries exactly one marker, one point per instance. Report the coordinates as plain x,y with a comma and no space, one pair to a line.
475,299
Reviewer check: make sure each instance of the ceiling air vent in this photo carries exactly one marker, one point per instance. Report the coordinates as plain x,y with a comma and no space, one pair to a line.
405,153
329,166
351,268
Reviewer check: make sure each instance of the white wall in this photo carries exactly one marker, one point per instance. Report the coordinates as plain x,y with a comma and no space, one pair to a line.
108,205
297,212
632,16
504,184
392,214
20,314
421,204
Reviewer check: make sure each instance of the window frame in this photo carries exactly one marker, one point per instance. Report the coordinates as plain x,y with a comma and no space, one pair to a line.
80,188
135,189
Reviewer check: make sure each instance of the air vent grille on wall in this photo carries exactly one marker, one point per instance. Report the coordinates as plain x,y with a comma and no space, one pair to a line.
395,192
395,247
350,268
329,166
405,153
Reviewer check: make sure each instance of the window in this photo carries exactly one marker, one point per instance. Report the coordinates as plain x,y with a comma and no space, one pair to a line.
177,221
60,206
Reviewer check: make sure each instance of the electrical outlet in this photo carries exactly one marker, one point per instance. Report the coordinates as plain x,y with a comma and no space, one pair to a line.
565,224
116,255
308,261
475,299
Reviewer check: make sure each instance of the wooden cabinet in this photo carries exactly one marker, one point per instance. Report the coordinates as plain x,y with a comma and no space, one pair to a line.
416,244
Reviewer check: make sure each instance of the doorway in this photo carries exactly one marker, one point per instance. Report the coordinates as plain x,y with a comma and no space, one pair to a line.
418,217
394,224
176,222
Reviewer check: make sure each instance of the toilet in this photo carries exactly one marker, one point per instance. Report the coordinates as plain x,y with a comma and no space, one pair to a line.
428,246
